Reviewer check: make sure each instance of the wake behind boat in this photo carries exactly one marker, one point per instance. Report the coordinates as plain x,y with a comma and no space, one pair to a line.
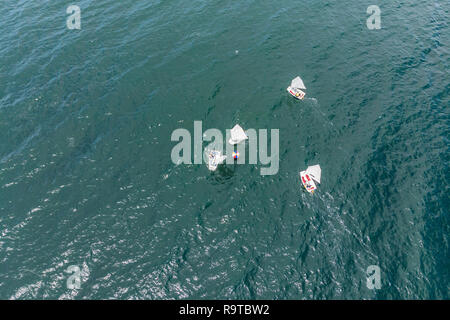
296,87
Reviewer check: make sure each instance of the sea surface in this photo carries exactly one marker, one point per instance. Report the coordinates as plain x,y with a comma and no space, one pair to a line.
87,180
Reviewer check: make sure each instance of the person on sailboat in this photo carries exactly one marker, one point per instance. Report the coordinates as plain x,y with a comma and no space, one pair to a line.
307,183
311,176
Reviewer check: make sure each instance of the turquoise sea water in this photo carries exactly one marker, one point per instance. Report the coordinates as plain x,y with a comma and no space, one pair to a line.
86,177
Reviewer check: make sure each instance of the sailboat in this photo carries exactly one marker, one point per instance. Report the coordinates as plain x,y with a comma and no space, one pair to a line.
310,176
215,158
296,87
237,135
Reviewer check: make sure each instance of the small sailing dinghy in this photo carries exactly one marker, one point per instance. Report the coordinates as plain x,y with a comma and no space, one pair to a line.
296,87
237,135
214,159
311,175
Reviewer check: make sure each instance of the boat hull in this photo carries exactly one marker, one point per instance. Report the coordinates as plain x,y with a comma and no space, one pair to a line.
214,159
296,93
307,182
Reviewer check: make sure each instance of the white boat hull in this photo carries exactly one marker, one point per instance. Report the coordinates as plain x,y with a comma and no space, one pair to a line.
296,93
214,159
307,182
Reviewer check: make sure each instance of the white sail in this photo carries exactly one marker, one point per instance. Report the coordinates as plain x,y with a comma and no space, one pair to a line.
237,135
221,159
298,83
315,172
214,159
